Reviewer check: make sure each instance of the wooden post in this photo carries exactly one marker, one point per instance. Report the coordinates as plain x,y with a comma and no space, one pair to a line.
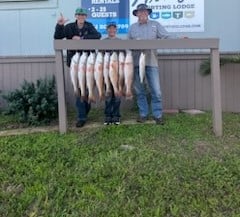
62,113
216,92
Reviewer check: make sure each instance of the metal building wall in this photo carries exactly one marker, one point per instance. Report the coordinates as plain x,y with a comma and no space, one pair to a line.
183,86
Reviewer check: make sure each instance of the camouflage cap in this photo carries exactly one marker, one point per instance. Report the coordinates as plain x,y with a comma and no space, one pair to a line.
82,11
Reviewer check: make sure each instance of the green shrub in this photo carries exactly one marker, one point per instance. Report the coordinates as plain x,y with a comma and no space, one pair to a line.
205,67
35,103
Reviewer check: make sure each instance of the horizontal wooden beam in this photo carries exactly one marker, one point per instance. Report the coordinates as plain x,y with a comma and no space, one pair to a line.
183,43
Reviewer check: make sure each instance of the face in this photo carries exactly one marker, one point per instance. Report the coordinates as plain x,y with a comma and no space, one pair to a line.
111,31
142,16
80,18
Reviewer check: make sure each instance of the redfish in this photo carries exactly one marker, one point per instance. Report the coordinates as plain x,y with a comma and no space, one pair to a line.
90,77
106,73
113,72
142,65
128,74
98,74
74,72
82,74
121,58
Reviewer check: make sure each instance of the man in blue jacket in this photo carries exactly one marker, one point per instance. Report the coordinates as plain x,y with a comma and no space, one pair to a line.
78,30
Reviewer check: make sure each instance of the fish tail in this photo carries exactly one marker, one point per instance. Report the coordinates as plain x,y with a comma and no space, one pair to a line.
108,93
91,99
101,97
128,95
76,92
83,98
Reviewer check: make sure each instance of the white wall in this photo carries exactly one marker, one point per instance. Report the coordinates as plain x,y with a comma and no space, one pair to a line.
222,20
27,28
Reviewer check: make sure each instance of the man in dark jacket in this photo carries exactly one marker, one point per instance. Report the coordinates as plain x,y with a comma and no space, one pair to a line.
78,30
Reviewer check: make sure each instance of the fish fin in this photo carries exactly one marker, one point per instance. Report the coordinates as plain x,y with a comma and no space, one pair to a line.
128,95
142,80
83,98
76,92
101,98
108,93
91,99
123,93
118,93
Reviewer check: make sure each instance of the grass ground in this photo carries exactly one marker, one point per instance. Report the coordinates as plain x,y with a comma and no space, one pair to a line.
179,169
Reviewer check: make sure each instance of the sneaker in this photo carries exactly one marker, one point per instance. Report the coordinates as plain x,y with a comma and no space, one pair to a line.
108,121
116,120
141,119
159,121
80,123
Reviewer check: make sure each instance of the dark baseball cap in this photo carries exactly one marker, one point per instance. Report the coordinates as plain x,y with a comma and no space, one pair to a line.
109,24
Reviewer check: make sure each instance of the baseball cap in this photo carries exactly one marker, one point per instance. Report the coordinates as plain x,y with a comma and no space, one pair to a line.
82,11
109,24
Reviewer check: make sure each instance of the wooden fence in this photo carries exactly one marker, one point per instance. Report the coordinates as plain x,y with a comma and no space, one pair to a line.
212,44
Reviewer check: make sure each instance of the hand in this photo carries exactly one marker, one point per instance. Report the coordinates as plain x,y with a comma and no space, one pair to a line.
62,20
76,37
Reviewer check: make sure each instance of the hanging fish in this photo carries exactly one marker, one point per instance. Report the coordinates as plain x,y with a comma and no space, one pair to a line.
121,59
90,77
106,73
128,74
98,74
74,72
82,75
113,72
142,65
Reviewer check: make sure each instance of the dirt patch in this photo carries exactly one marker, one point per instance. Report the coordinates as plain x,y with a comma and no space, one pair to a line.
22,131
71,127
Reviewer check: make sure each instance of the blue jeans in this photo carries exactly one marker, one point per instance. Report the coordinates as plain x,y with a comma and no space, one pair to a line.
112,106
152,76
83,108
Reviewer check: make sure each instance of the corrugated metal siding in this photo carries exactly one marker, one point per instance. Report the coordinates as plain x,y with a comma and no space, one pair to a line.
13,71
230,87
182,85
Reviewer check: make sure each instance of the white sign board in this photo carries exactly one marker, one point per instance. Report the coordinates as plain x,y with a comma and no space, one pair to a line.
174,15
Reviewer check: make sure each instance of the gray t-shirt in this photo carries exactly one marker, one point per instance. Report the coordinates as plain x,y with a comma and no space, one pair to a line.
150,30
115,38
108,38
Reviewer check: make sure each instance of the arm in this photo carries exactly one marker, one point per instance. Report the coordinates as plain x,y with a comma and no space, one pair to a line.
163,33
59,29
92,33
69,31
59,32
129,33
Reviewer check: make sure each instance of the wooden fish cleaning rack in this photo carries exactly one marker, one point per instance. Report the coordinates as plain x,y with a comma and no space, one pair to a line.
204,43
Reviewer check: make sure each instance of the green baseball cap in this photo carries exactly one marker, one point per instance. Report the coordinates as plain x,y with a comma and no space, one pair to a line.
82,11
